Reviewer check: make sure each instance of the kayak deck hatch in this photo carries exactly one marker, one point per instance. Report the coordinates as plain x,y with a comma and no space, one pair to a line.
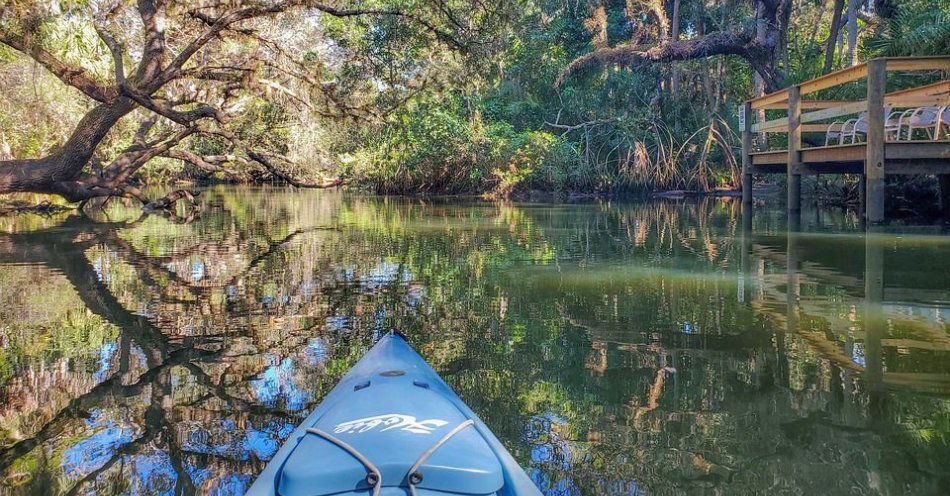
393,442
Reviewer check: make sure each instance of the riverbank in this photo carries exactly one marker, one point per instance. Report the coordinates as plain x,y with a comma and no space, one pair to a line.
915,198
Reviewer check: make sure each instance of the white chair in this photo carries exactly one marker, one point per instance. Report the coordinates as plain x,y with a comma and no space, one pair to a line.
851,127
926,118
894,123
831,134
943,122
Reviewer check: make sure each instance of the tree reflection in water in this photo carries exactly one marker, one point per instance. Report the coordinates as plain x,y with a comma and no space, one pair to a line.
634,349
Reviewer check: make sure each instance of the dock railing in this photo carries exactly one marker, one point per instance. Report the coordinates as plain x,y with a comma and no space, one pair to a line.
866,158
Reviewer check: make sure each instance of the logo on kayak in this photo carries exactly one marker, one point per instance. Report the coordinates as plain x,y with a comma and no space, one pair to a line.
389,422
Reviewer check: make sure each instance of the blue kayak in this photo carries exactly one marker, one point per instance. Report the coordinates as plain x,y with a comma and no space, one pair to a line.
392,427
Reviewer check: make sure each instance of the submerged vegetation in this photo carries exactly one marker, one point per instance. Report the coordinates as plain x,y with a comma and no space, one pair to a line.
413,96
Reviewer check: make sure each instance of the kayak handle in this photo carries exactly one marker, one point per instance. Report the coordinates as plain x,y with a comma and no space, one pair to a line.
373,478
414,476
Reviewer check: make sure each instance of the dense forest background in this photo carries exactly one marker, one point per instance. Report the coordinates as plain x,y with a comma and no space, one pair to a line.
414,96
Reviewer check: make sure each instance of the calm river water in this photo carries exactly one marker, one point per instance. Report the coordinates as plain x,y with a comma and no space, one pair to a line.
616,349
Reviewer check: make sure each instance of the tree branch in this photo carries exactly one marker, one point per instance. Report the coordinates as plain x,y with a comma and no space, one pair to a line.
219,24
130,161
568,128
185,118
168,200
257,157
116,50
72,76
720,43
152,13
206,164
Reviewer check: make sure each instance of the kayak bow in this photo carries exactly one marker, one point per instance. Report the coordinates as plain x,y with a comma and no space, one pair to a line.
392,427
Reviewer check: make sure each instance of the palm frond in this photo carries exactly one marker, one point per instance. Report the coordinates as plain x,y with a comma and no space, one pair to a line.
918,31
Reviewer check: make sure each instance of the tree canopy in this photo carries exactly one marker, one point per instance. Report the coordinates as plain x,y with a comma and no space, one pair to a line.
412,96
220,75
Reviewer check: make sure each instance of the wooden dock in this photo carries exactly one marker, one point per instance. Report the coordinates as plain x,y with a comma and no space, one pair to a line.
780,298
874,157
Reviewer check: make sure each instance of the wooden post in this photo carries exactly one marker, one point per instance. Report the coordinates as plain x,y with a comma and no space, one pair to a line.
793,168
745,259
793,295
874,162
746,220
745,113
874,321
862,194
945,195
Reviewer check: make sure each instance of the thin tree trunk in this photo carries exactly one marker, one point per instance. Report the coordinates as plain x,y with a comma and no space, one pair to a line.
720,77
760,31
702,170
5,152
852,32
818,18
833,36
782,47
708,88
704,73
675,36
758,81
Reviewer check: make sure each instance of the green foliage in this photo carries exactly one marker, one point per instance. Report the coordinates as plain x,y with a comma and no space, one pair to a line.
512,131
919,28
641,134
414,115
265,123
434,146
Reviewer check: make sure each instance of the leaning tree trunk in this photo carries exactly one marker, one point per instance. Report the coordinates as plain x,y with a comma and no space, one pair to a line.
833,36
57,172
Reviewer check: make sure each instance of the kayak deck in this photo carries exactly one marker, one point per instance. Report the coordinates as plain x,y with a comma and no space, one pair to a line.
392,427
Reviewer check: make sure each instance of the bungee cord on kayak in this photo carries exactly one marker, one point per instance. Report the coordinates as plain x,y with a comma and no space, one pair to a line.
373,477
414,476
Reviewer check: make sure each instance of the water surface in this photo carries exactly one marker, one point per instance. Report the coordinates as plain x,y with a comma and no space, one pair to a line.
616,349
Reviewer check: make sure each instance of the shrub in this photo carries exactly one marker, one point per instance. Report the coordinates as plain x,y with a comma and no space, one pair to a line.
443,148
